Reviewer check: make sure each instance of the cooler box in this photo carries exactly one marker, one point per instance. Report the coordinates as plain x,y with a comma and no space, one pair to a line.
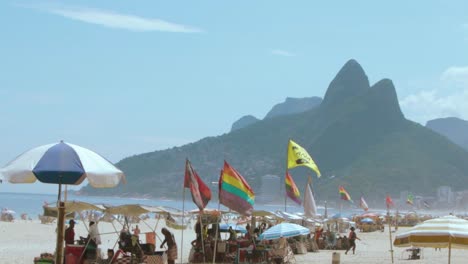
73,253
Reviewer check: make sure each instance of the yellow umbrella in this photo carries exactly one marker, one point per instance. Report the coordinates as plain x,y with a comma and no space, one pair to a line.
448,231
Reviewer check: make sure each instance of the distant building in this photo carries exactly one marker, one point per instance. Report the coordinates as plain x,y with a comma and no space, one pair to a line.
445,195
270,188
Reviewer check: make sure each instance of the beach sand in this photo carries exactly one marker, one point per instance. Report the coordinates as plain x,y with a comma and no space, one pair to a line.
21,241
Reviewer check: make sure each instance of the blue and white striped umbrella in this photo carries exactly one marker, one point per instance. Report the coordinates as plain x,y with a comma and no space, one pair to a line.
62,163
284,230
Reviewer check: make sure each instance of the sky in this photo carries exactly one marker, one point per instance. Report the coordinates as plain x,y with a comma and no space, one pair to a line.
124,77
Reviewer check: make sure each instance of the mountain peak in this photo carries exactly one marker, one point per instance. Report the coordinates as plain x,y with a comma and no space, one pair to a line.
385,100
293,106
350,81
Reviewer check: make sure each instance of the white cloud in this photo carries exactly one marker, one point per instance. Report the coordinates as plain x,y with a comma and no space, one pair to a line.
283,53
120,21
450,99
456,75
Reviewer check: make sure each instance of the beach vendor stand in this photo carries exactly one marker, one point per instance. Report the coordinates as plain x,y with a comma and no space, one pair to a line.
208,246
75,253
130,248
280,233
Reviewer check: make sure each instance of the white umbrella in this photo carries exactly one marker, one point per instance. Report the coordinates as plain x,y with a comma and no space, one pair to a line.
62,163
284,230
8,211
448,231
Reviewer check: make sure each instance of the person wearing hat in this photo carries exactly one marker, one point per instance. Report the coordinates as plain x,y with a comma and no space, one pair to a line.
70,233
352,240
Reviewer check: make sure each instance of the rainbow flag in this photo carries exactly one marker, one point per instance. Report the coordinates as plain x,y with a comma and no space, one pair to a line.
344,194
234,192
291,189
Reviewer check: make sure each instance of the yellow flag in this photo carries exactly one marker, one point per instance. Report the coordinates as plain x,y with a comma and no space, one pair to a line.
298,156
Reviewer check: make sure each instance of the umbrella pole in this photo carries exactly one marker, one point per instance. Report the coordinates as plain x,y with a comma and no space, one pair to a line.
450,249
390,233
61,214
182,235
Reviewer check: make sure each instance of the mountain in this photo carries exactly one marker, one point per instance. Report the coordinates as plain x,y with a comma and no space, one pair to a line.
453,128
294,106
244,122
358,136
288,107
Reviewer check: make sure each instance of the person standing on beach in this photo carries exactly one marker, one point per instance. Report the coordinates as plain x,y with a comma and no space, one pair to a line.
70,233
352,241
171,245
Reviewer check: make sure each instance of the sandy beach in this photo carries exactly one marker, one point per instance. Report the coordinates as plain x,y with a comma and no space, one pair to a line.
21,241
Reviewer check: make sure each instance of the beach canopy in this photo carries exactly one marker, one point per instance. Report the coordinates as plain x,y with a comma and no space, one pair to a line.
284,230
237,228
76,206
132,210
448,231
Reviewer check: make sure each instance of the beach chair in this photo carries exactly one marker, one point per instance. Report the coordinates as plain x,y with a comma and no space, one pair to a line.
283,256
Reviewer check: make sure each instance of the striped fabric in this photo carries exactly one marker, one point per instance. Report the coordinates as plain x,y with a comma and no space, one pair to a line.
234,192
291,189
437,233
344,194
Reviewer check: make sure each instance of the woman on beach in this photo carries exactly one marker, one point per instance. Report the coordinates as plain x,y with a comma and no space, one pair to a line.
352,240
171,245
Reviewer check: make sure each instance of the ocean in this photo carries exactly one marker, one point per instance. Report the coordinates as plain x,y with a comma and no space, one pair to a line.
31,204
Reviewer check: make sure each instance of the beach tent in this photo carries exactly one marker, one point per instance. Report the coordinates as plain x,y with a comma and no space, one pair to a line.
448,231
62,163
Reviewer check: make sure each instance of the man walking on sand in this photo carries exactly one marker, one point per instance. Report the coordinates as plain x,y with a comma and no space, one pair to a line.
352,241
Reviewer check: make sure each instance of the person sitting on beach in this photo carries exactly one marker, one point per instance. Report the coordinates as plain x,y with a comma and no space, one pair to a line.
70,233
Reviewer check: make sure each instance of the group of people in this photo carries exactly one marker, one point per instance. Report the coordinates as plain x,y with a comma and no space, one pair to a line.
91,241
94,239
329,240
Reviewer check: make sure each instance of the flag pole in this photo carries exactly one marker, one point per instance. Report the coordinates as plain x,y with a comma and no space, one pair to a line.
285,174
182,236
202,238
217,232
390,231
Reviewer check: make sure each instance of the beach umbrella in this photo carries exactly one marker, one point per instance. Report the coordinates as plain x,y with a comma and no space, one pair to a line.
62,163
367,220
284,230
8,211
448,231
237,228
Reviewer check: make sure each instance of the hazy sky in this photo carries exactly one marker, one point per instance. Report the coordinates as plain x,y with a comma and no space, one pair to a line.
127,77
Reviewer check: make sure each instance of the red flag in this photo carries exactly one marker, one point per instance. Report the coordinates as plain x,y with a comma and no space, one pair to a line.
201,194
389,202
